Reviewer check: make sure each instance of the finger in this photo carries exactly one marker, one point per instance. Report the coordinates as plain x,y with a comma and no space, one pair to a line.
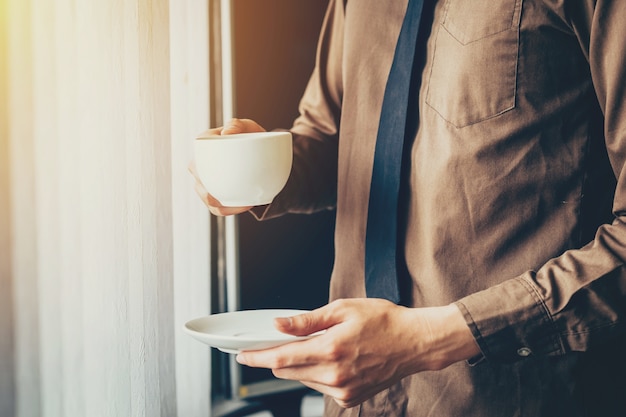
336,394
235,126
308,323
326,390
227,211
294,354
192,168
320,375
345,398
202,193
216,131
215,206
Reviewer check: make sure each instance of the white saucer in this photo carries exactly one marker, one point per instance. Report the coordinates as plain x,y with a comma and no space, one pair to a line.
242,330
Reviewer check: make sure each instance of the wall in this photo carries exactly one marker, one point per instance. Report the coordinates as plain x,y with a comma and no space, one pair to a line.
109,246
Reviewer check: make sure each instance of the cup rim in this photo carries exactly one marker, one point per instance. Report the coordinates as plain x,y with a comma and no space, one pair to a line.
242,136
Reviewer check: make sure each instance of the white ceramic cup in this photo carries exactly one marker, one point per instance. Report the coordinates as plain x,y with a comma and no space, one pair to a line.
246,169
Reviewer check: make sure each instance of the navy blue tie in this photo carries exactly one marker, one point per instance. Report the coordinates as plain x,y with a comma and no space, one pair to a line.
381,275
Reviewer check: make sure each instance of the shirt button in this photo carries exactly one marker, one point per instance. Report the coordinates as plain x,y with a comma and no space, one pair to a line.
524,351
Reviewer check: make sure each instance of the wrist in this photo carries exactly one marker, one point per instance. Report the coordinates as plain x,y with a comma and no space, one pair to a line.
452,340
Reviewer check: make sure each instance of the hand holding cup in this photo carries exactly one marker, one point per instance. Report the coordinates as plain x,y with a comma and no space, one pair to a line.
240,166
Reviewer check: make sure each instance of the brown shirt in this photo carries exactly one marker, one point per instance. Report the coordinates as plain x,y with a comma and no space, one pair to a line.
512,205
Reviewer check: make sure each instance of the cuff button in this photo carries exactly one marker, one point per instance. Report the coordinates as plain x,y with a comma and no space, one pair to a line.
524,352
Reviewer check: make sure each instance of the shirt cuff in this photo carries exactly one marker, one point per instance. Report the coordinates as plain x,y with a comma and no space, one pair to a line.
510,322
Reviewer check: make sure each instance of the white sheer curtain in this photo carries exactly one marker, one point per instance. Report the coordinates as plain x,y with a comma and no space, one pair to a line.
7,385
109,246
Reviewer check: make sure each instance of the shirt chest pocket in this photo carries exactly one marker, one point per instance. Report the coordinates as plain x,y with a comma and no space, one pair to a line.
473,68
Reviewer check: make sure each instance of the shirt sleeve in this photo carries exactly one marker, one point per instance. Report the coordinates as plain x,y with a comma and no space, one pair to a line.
578,300
312,184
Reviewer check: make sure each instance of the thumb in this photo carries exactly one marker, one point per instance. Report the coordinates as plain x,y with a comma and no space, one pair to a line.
305,324
235,126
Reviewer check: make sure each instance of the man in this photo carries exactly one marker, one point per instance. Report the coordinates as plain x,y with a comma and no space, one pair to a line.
512,212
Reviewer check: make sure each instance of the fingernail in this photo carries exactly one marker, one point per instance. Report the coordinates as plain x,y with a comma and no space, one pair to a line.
285,322
240,359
